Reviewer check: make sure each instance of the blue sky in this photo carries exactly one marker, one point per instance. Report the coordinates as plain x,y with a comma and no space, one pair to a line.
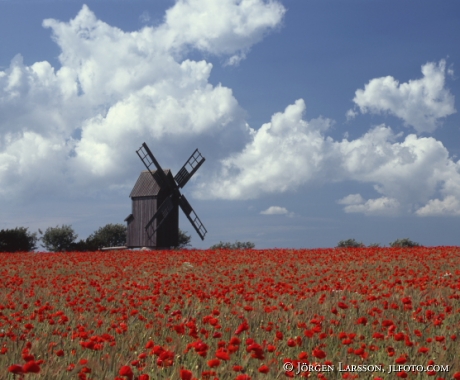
319,120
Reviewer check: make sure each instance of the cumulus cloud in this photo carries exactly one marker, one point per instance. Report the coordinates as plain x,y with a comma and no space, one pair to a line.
75,128
448,206
379,206
224,27
283,154
276,210
420,103
81,123
406,172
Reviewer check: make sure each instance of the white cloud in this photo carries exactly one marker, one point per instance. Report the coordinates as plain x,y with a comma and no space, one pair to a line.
283,154
81,123
352,199
448,206
379,206
290,152
421,103
275,210
224,27
75,129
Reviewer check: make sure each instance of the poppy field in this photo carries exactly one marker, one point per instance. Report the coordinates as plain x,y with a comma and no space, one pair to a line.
354,313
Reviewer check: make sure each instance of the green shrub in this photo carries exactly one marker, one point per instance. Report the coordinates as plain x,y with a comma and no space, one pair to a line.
111,235
184,240
235,245
350,243
17,239
58,239
404,243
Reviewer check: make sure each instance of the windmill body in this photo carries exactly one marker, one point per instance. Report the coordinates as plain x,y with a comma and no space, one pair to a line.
146,196
156,199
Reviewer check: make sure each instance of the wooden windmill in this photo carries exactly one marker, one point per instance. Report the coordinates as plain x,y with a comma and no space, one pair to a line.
156,198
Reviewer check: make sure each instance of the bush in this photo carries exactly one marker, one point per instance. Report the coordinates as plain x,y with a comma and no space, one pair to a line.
235,245
58,239
17,239
404,243
111,235
184,240
350,243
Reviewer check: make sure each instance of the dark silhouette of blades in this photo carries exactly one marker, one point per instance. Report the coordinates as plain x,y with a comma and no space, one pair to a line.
192,217
189,168
160,216
149,161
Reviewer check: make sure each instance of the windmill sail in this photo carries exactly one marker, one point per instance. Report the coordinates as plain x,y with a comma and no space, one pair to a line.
192,217
149,160
189,168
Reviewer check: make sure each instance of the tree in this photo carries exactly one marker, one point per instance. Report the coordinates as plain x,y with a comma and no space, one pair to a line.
235,245
17,239
111,235
349,243
404,243
58,239
184,240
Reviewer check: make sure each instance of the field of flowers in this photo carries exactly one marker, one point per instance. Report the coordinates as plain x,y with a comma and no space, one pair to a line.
367,313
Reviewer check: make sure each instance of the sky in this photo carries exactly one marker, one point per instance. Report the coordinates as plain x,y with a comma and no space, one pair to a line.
320,120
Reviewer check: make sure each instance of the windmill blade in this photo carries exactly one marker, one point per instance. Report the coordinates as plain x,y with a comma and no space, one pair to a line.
192,217
162,213
149,161
189,168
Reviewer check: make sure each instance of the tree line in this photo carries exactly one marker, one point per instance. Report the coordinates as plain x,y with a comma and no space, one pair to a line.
63,239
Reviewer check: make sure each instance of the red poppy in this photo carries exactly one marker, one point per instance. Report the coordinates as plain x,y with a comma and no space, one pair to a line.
243,377
317,353
263,369
16,369
423,350
242,327
291,342
401,360
185,374
222,355
31,367
126,371
213,363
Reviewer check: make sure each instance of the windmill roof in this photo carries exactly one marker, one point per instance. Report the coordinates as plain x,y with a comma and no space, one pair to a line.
146,186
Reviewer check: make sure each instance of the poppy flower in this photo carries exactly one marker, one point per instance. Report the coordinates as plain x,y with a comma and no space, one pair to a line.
185,374
263,369
31,367
401,360
317,353
222,355
213,363
126,371
16,369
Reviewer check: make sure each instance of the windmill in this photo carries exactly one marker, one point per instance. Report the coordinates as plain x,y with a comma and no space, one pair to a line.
156,198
